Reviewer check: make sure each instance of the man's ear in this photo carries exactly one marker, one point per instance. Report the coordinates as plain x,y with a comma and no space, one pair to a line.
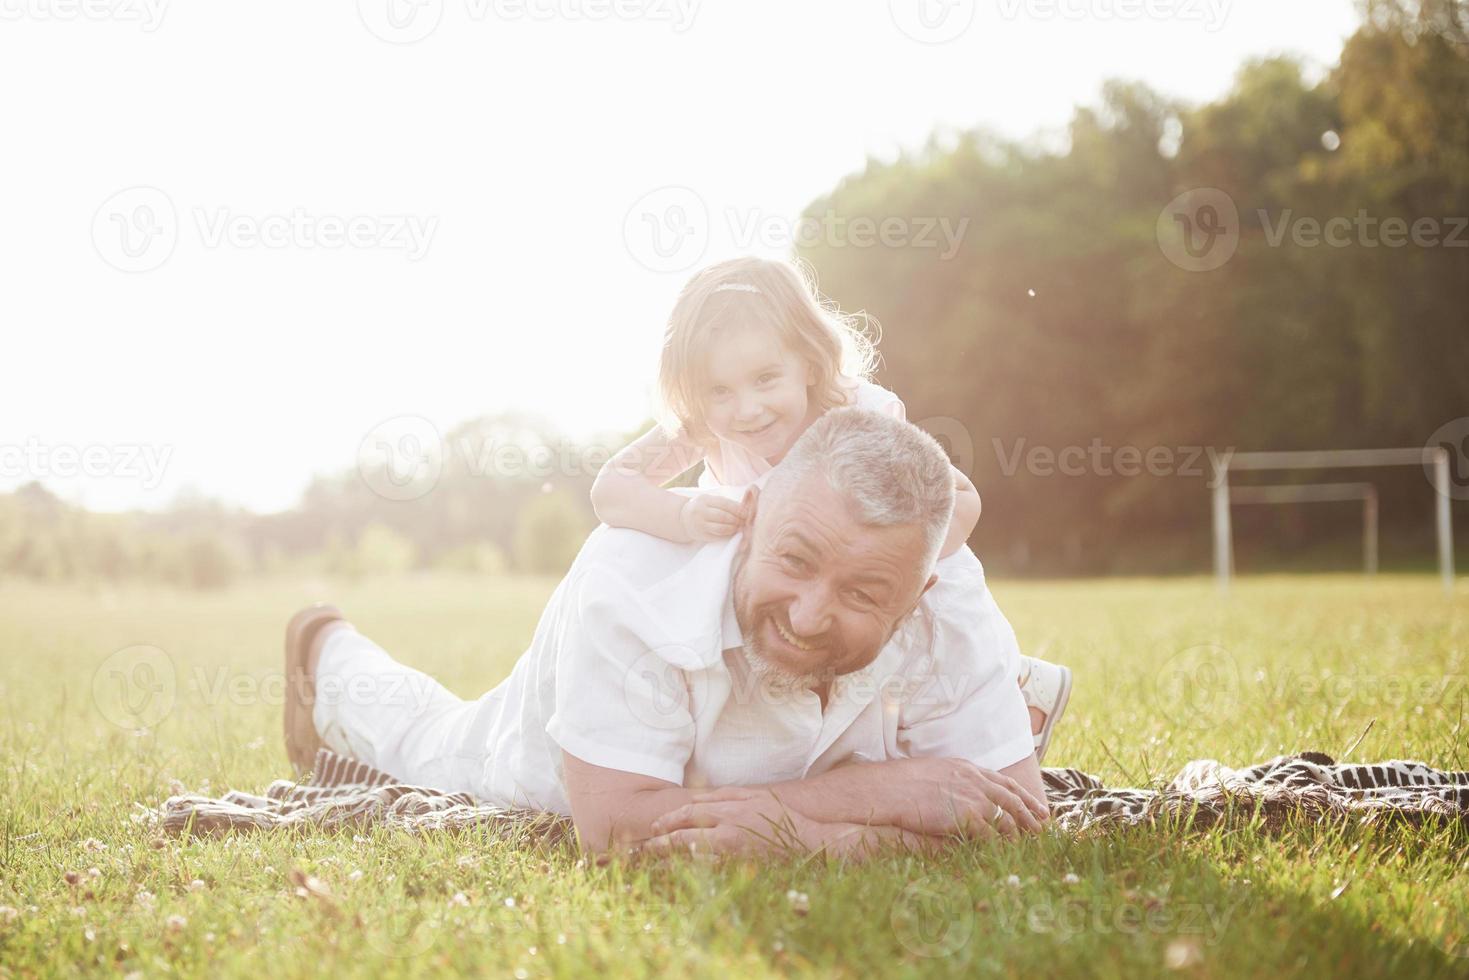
932,581
749,503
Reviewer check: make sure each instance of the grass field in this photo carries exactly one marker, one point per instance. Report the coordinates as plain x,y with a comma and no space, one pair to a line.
1167,671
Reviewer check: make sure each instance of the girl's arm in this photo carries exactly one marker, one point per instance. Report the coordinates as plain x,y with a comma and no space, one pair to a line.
629,490
966,514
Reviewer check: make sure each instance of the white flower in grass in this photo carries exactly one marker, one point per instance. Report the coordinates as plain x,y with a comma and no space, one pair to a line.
197,885
460,899
8,914
94,872
1013,881
176,923
356,875
93,844
144,898
1071,879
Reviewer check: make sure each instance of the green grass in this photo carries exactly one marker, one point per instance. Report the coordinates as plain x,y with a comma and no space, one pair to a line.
1166,671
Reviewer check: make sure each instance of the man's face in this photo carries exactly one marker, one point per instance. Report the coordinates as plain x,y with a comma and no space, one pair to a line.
816,593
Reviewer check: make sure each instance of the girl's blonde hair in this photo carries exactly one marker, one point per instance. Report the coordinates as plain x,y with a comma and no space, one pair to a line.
750,291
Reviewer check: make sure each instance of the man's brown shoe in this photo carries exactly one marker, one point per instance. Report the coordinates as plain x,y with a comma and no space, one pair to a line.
302,741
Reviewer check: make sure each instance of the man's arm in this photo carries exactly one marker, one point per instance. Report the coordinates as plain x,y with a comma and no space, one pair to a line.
926,798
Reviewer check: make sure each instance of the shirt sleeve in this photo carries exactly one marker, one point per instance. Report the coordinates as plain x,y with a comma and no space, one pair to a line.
622,702
966,703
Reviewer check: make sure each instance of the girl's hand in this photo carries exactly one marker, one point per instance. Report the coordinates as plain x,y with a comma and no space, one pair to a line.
710,517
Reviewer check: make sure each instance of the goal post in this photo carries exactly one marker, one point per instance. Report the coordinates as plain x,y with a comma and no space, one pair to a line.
1223,497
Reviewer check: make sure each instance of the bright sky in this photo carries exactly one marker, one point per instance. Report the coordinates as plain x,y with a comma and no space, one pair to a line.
461,224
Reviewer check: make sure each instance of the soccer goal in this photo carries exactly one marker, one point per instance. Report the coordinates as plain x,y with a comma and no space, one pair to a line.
1333,459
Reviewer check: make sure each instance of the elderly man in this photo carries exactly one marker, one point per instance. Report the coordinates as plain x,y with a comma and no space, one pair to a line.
780,688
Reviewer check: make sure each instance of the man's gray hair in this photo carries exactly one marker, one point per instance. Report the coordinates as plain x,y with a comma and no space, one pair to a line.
890,472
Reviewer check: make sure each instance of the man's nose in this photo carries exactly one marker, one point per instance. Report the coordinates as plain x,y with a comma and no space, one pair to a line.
810,612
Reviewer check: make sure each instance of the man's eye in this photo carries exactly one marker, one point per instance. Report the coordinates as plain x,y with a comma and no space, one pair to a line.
767,378
718,391
795,562
861,597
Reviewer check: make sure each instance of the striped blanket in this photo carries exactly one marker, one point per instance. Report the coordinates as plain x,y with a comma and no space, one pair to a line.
1306,787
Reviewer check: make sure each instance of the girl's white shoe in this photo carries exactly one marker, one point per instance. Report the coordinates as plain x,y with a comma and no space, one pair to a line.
1046,687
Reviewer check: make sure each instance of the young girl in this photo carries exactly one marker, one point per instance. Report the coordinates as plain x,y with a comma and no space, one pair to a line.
753,356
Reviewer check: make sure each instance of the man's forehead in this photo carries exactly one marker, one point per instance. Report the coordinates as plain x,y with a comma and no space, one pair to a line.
814,514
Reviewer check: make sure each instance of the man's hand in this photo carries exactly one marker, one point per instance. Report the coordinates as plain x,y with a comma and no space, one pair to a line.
733,820
952,796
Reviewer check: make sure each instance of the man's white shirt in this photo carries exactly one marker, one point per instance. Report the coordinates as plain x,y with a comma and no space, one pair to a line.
636,665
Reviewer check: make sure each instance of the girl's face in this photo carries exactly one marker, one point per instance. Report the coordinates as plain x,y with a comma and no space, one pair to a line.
756,391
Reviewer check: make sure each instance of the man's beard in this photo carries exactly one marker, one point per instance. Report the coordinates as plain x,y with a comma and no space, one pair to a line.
767,670
778,678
